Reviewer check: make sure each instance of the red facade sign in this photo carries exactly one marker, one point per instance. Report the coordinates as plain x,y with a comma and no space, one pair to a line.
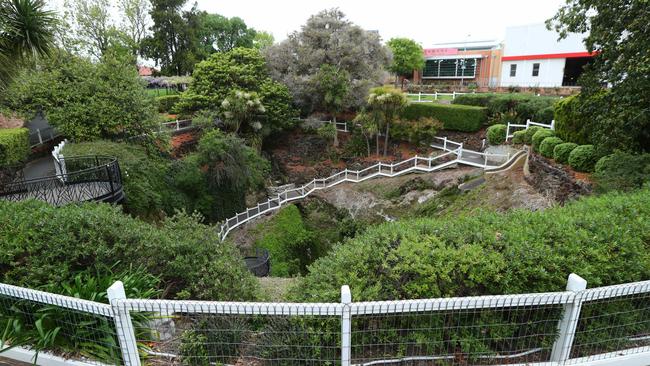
440,51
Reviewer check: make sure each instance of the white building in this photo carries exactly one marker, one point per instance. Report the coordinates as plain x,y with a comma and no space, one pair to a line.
533,57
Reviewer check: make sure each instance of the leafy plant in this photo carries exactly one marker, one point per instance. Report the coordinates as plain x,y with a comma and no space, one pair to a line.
453,117
530,132
419,132
622,171
14,145
519,137
583,158
546,148
496,134
562,151
539,136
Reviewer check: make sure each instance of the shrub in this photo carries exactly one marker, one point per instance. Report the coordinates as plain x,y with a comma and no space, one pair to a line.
419,132
496,134
583,158
519,137
622,171
528,137
539,136
166,103
45,245
570,122
453,117
514,107
478,100
562,151
547,146
14,145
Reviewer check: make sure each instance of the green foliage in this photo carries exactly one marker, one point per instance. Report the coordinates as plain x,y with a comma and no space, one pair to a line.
496,134
407,56
622,171
547,147
562,151
570,123
453,117
511,107
166,103
530,132
583,158
14,145
419,132
47,245
386,103
243,109
477,100
286,238
85,100
539,136
327,131
519,137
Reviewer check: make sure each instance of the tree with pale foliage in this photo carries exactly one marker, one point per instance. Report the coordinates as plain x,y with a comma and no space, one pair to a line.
387,103
407,56
332,86
243,109
367,124
328,38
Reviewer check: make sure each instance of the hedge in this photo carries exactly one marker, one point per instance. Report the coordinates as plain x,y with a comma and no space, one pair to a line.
561,152
547,146
528,137
570,122
453,117
519,137
539,136
583,158
166,103
520,107
496,134
622,171
14,145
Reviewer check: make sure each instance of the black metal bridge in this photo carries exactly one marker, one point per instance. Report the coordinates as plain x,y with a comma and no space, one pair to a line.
85,178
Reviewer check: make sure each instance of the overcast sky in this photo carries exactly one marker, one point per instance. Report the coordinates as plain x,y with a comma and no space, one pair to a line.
426,21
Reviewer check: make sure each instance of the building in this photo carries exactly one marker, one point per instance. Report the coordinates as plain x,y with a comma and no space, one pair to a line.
462,64
533,57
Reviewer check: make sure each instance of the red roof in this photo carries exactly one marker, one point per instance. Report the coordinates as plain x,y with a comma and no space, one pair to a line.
145,71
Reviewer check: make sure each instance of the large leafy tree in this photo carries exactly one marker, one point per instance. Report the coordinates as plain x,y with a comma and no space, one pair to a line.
26,31
328,38
333,86
386,103
407,56
617,32
168,44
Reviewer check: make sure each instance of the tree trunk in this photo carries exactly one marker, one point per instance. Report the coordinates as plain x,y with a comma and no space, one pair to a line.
336,132
386,138
368,144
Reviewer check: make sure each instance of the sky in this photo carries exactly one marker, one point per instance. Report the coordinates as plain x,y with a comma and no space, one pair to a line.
427,22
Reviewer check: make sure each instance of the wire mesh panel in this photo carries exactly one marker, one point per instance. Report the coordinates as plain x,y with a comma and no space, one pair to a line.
83,332
455,331
613,318
204,333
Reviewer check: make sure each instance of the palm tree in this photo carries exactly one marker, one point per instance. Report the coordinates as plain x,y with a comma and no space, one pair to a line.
26,32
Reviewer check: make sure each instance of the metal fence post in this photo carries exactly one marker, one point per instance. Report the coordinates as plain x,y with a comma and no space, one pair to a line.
123,325
567,325
346,326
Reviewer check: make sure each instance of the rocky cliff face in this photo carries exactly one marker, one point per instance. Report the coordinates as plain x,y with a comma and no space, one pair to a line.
554,180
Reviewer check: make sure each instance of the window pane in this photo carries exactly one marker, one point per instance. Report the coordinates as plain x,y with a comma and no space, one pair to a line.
430,68
448,67
465,67
535,69
513,70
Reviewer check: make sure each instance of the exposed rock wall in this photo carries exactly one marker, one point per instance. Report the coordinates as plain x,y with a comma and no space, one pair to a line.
553,180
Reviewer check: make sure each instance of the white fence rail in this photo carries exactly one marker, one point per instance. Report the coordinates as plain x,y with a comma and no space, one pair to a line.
177,125
39,137
601,326
59,161
431,97
341,126
453,150
512,127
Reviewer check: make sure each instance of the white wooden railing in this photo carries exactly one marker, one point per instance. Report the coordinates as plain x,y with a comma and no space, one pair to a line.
59,161
510,130
435,96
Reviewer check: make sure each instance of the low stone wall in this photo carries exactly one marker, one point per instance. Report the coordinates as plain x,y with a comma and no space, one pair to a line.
553,180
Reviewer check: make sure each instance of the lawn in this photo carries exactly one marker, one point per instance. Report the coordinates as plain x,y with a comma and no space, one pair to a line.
429,98
161,91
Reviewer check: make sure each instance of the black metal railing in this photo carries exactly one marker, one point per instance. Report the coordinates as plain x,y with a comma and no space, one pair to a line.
83,178
260,263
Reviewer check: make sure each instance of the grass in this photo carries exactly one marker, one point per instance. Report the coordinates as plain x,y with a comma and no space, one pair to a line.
160,92
430,98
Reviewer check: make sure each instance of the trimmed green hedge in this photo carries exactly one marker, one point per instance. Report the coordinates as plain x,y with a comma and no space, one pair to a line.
528,137
453,117
14,145
519,137
496,134
539,136
166,103
583,158
622,171
513,106
570,121
547,146
562,151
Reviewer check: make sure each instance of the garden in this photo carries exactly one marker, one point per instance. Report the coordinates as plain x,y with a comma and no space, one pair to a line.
266,115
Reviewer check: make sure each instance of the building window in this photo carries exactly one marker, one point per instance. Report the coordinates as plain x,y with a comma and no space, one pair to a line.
513,70
450,68
536,69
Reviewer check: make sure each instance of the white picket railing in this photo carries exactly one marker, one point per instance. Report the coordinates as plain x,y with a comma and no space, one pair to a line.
510,130
59,161
435,96
554,327
177,125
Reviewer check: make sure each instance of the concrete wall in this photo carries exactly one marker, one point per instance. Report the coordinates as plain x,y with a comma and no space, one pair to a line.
551,72
535,39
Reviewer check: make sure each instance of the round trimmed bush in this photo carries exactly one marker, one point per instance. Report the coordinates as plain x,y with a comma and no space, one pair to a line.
519,137
528,137
583,158
497,134
548,145
539,136
561,152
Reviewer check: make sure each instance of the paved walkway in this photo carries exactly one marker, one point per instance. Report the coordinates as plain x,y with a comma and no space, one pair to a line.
39,168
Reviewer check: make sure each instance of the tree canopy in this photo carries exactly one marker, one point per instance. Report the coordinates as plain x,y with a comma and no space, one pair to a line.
407,56
328,38
617,32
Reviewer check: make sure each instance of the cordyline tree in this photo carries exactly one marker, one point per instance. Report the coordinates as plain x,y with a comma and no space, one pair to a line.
407,56
386,103
617,31
332,86
328,38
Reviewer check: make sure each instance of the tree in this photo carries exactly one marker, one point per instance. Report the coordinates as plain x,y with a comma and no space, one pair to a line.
387,103
407,56
368,126
617,33
328,38
242,109
135,20
168,44
93,25
332,86
263,40
26,32
85,100
239,69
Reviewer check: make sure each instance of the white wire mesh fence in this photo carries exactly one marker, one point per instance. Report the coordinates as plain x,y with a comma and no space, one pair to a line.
608,325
